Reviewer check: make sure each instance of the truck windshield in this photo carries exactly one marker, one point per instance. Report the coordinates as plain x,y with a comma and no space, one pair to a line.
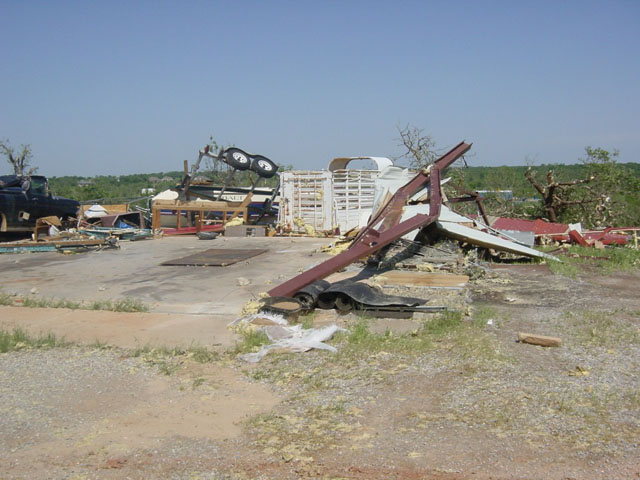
38,185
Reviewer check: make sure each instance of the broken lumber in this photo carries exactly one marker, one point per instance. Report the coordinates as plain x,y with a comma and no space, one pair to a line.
541,340
422,279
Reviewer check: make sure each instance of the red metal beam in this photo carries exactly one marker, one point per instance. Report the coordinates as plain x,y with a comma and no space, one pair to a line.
392,210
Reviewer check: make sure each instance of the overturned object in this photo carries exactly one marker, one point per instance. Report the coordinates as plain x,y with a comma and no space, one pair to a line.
348,295
389,222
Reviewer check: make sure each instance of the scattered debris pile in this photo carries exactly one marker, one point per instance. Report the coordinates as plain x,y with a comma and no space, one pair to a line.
542,232
411,208
65,242
197,206
97,228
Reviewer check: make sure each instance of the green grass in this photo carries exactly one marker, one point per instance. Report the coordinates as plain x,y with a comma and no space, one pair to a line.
604,261
99,345
307,320
197,382
169,359
364,358
19,339
602,328
483,314
202,354
33,302
251,341
123,305
5,298
446,327
443,324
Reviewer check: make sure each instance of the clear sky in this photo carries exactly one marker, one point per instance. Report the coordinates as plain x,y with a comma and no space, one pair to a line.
118,87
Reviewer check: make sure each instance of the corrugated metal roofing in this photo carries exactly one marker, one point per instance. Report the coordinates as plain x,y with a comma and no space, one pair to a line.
539,227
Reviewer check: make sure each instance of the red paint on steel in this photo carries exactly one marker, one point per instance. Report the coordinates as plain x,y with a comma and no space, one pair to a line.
192,230
538,227
575,236
391,212
516,224
370,239
548,228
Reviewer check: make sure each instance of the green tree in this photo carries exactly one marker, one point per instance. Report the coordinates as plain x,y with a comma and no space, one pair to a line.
606,196
614,193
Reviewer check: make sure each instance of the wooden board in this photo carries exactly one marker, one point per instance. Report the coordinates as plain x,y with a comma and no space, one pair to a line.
216,257
541,340
111,209
422,279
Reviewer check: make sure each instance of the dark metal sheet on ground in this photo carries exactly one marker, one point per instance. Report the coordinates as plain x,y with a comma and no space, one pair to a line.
216,257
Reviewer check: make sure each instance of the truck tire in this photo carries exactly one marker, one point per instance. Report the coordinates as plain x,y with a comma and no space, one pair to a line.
236,158
263,166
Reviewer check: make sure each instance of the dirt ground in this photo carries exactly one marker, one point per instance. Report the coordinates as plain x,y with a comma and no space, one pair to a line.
468,402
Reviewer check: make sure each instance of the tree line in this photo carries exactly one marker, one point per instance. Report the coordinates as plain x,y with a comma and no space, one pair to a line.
597,191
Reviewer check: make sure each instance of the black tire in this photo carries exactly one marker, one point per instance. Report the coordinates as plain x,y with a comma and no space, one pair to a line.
236,158
344,303
326,302
263,166
305,299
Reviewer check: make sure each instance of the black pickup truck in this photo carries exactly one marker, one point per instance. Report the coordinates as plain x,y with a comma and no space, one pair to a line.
25,199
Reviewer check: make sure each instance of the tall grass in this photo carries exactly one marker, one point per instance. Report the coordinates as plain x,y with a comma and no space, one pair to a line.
19,339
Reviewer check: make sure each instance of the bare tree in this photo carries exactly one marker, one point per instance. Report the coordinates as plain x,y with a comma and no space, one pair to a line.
20,161
557,196
419,147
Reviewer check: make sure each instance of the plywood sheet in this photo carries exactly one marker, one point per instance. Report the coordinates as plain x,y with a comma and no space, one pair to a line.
422,279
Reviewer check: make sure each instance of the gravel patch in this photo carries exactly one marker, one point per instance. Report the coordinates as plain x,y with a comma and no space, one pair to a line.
43,392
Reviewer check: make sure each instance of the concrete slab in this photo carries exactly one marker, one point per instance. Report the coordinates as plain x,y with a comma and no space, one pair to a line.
135,271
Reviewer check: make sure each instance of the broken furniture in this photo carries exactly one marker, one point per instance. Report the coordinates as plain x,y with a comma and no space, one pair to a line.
213,204
123,220
172,216
46,226
102,221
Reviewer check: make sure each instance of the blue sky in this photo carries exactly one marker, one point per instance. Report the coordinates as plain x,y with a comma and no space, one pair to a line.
119,87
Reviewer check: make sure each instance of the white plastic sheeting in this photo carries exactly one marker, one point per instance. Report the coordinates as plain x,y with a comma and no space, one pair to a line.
95,211
294,339
285,337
